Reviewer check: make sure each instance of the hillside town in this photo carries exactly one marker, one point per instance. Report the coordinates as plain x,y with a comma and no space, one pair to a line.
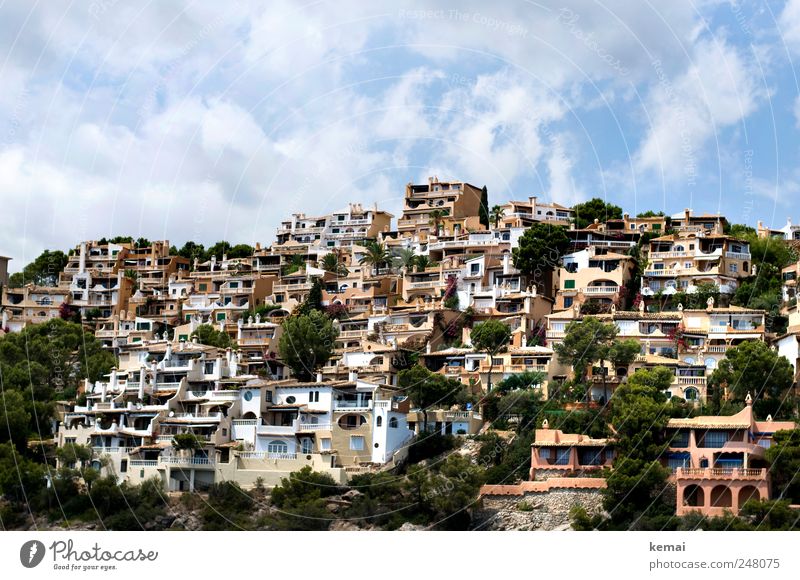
584,338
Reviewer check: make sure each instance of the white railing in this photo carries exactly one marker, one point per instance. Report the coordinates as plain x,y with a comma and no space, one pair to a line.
737,255
692,380
186,460
428,284
662,255
143,463
245,422
276,429
716,349
291,287
314,427
113,449
600,290
664,273
266,455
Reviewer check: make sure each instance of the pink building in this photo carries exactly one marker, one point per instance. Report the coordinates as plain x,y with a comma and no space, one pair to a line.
553,450
719,463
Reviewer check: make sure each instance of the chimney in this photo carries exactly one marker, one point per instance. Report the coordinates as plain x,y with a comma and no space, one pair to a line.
507,263
181,344
213,263
5,319
319,377
194,340
428,348
82,262
168,353
353,376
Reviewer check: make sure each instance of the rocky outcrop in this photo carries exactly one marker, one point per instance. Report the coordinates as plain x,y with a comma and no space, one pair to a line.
535,511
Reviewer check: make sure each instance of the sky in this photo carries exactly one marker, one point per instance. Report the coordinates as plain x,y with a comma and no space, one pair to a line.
215,120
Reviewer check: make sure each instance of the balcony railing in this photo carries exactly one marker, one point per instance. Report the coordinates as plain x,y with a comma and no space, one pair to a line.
314,427
700,381
720,473
595,290
737,255
186,460
143,463
266,455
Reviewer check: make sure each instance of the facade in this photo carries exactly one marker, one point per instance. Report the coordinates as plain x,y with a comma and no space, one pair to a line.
690,257
595,274
454,199
718,463
521,214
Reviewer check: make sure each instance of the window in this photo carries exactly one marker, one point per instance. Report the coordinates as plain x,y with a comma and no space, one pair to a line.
715,438
393,423
325,444
306,446
234,284
203,287
356,443
290,400
248,395
277,447
676,460
733,267
123,466
569,284
313,397
680,440
589,456
562,456
220,316
379,422
568,300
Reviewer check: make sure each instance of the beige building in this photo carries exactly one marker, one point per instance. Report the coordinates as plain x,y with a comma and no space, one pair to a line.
30,305
684,260
455,198
521,214
595,274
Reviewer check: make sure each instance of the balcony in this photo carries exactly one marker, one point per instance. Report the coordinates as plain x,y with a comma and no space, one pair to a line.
292,287
266,455
738,256
731,473
692,381
424,285
267,430
362,405
600,290
192,461
663,273
306,427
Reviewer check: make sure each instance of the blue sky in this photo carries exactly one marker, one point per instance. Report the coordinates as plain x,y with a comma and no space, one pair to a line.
205,121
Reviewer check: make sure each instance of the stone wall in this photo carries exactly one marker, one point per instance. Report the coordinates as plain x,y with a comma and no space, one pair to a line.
535,511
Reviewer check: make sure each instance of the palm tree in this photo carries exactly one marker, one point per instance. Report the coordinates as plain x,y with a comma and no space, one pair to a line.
496,214
407,259
332,263
437,216
423,262
377,255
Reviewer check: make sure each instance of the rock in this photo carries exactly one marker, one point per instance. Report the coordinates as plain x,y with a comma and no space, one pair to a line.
352,494
332,507
344,526
409,527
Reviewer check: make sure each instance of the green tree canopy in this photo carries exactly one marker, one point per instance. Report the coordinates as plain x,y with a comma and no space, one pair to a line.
429,390
784,457
307,343
753,367
43,271
595,209
208,335
45,362
490,338
540,249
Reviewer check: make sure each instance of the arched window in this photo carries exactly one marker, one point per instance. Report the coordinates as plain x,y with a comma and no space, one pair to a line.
690,394
711,363
277,447
393,422
379,422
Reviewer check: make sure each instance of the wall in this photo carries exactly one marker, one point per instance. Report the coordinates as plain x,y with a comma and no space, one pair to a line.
547,511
